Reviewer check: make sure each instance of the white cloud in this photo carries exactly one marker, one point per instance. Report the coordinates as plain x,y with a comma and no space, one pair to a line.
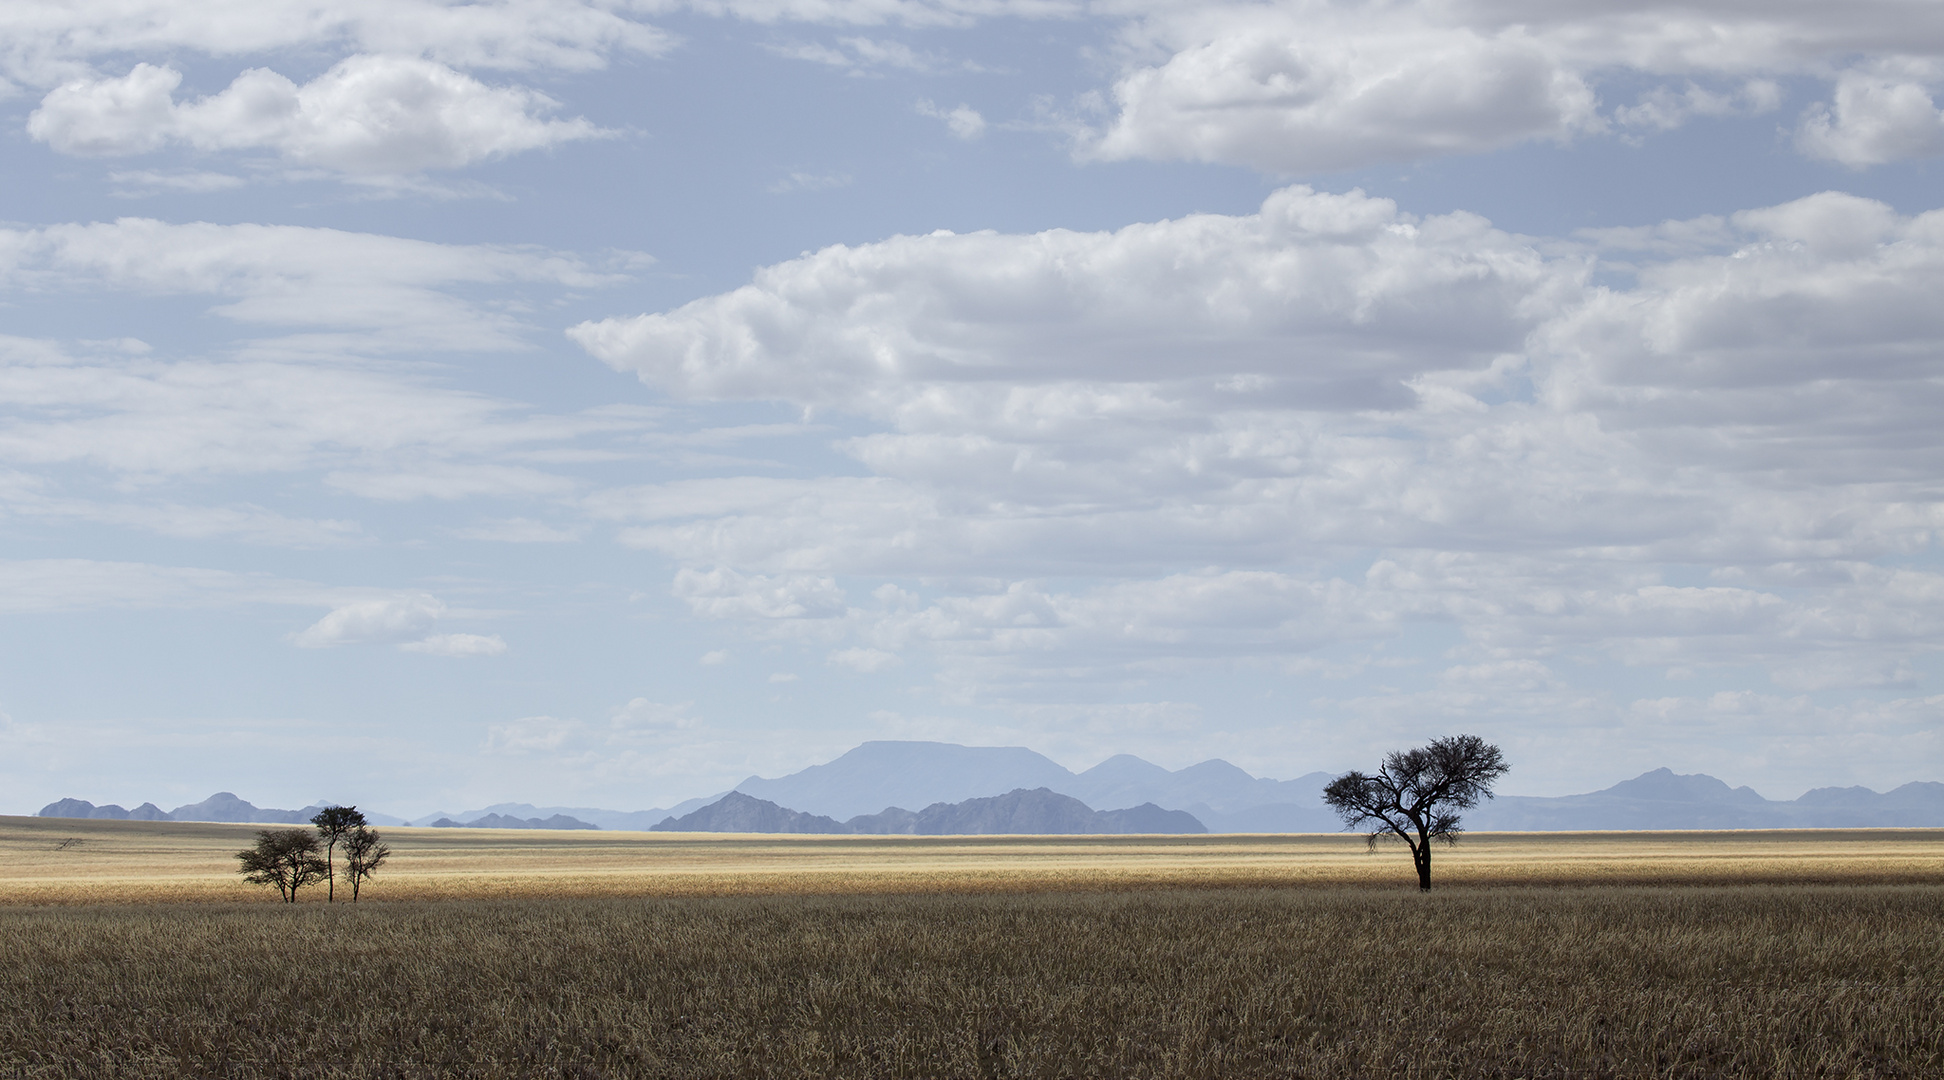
1357,422
1664,108
1308,86
1302,89
864,661
142,182
45,40
714,657
374,293
1279,294
386,619
1877,116
366,115
722,594
458,645
964,122
864,56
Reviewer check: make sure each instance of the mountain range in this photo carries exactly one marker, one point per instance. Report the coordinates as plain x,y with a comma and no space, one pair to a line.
222,806
877,778
1037,812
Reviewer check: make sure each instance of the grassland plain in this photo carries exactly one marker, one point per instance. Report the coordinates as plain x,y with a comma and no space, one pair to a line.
1714,955
63,860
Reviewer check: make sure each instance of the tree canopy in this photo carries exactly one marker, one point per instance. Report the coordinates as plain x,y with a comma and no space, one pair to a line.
286,858
1415,794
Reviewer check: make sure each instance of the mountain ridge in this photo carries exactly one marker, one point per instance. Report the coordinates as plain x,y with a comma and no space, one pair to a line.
878,776
1020,812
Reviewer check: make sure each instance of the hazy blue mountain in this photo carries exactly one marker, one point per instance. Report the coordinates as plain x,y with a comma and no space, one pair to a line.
901,774
877,775
505,821
740,813
1019,812
1663,799
620,820
222,806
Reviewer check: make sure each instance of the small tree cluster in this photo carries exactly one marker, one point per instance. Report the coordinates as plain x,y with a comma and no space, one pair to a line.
293,858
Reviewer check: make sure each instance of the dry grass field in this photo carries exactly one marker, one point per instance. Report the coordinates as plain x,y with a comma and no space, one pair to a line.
64,860
510,955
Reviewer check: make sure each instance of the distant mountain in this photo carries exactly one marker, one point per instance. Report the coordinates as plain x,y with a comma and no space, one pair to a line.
1663,799
81,808
877,775
503,821
740,813
622,820
222,806
1040,811
880,774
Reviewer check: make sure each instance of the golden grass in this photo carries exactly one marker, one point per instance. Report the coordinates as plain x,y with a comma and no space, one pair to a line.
1687,981
134,862
132,949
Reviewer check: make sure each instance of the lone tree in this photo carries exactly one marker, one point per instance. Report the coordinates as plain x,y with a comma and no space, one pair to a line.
364,853
1414,794
286,858
334,823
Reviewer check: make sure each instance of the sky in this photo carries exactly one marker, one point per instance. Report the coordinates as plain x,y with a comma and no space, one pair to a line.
596,402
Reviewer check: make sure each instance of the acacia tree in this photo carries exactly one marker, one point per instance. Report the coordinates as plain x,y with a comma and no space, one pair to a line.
286,858
334,823
363,854
1414,795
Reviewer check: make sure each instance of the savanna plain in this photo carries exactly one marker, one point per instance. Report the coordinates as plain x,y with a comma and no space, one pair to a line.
131,949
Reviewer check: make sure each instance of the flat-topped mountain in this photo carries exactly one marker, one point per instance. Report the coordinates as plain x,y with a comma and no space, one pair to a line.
1039,812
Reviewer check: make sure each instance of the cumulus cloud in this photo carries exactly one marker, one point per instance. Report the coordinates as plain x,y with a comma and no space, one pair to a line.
1877,116
1328,299
368,115
1303,90
1306,86
387,619
1358,422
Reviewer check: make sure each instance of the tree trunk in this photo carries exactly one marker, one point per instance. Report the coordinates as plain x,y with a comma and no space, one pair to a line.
1422,856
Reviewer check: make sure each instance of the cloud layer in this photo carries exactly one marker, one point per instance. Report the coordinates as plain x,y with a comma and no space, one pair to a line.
1353,422
1306,86
366,115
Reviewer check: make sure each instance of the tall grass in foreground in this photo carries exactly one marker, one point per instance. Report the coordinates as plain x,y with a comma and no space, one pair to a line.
1624,982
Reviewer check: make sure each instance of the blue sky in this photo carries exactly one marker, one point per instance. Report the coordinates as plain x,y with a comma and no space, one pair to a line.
424,405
